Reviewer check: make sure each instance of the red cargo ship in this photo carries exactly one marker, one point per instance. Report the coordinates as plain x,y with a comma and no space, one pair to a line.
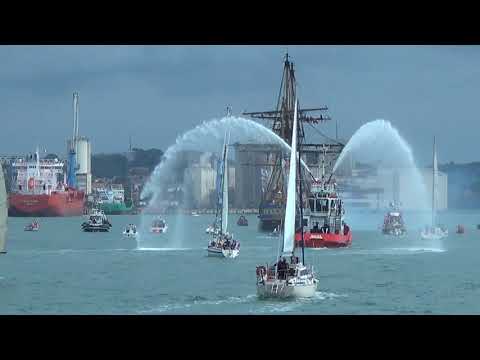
39,189
323,219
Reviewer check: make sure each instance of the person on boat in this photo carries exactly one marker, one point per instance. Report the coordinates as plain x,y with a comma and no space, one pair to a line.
283,266
315,228
346,229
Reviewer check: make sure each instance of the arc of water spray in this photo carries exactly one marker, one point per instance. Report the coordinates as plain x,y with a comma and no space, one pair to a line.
200,137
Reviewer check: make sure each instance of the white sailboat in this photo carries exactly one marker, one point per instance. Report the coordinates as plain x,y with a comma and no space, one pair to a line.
3,214
223,244
434,232
288,279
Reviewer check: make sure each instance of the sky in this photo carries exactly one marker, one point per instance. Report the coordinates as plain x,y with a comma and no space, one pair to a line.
156,93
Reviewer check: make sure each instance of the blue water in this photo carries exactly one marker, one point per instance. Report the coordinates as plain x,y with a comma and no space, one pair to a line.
61,270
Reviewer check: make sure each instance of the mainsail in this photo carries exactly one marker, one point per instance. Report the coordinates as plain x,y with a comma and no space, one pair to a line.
289,228
3,213
225,188
434,184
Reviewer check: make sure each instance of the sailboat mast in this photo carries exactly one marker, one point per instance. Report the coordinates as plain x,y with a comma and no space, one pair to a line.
301,196
434,174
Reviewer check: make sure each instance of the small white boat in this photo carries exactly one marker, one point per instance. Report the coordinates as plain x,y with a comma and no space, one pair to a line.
211,230
194,213
434,232
130,231
159,226
296,281
33,226
288,279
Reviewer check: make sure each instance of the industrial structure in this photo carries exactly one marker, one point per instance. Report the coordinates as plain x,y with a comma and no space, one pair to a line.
80,154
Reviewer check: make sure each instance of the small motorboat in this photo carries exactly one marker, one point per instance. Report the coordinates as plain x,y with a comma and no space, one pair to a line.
242,221
194,213
460,229
33,226
212,229
97,222
393,223
130,231
159,226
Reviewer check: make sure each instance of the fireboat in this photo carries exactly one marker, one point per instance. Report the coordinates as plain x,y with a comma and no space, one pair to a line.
323,215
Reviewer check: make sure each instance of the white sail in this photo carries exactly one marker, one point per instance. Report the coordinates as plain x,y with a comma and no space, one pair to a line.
289,228
434,184
3,212
225,188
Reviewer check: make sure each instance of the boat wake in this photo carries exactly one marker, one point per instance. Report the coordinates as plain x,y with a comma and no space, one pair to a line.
198,301
162,249
67,251
284,305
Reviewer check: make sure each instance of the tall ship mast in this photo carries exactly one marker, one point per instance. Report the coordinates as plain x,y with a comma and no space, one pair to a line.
272,204
41,187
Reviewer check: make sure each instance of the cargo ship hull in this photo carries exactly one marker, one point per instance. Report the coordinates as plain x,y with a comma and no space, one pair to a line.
43,205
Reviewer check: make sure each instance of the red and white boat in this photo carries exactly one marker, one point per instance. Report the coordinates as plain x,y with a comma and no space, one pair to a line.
323,218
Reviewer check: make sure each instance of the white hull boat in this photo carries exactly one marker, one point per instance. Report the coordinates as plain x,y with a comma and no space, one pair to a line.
434,232
288,279
223,244
281,289
215,251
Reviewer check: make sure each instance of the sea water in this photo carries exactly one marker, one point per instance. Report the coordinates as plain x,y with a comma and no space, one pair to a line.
62,270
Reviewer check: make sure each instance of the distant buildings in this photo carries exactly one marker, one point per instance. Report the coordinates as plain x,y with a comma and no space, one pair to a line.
373,188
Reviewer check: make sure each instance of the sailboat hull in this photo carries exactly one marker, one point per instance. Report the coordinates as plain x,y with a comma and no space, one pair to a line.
281,290
218,252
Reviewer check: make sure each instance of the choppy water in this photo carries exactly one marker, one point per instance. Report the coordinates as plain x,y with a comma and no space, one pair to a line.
61,270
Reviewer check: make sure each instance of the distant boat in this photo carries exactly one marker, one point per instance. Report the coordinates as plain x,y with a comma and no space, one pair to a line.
288,279
130,231
393,223
434,232
97,222
33,226
3,213
242,221
159,226
194,213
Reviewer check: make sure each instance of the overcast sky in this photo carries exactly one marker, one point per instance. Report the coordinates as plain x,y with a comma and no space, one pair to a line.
156,93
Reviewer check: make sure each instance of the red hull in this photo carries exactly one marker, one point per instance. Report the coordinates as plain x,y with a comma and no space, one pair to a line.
69,203
318,240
